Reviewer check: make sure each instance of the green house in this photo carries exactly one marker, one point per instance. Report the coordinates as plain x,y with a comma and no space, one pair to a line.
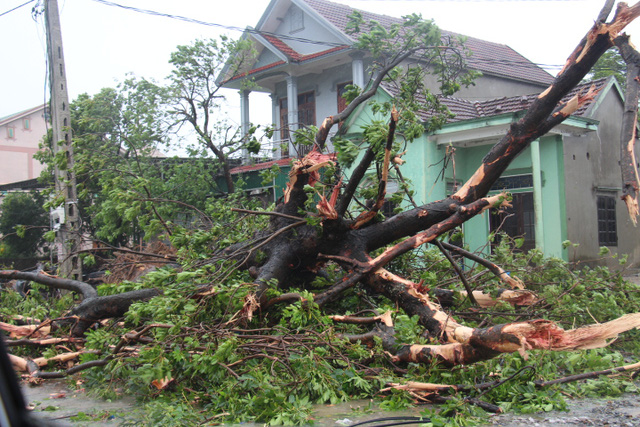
565,186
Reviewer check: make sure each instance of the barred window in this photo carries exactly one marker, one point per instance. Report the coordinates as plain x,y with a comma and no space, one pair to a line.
297,19
607,227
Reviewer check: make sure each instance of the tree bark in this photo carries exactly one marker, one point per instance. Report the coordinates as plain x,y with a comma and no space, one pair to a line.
628,137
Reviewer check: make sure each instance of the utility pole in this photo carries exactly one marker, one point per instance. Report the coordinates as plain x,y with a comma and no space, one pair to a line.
68,238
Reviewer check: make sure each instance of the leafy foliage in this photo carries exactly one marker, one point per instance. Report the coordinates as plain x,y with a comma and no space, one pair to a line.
298,357
199,347
611,64
23,223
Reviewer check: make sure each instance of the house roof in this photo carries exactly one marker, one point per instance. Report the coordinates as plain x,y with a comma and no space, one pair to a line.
17,116
468,110
292,54
465,110
488,57
28,184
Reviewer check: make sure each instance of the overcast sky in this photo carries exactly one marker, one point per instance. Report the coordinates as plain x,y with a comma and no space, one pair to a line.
103,43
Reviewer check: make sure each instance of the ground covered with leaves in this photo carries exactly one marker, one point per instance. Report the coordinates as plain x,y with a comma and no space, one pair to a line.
190,358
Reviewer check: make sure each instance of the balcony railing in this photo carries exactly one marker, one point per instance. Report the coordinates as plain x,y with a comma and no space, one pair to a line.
280,149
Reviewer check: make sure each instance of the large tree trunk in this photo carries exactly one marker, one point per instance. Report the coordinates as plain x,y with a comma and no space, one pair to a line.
349,242
302,242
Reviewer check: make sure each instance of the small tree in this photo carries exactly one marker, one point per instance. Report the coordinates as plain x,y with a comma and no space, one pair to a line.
23,223
198,103
127,188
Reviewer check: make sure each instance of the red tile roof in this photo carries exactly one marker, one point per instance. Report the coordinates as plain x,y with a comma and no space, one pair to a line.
255,70
488,57
282,47
295,56
290,53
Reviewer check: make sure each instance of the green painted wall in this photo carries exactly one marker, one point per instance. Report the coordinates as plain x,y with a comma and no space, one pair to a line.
553,197
424,168
253,180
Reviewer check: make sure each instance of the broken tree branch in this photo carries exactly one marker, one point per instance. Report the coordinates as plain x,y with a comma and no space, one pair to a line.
84,289
628,137
498,271
458,271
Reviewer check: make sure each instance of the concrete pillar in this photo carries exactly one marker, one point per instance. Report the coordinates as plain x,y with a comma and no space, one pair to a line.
275,122
245,121
357,69
536,169
292,108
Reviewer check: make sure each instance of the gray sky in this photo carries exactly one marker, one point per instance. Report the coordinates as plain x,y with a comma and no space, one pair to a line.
103,43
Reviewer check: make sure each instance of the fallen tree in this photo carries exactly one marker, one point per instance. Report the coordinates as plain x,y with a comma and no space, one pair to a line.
313,252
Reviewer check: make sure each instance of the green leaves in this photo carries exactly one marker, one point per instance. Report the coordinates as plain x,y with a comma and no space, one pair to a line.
346,151
23,224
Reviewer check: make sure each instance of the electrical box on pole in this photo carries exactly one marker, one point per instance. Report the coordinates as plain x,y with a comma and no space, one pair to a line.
68,237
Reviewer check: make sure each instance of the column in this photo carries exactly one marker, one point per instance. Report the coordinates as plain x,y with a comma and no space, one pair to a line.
357,69
536,170
292,109
245,122
275,122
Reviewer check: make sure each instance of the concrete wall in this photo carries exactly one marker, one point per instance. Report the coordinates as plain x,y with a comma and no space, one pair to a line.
489,87
311,30
266,57
592,169
324,85
16,154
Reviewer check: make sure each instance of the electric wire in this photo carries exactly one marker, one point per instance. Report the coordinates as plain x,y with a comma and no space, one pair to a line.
522,64
214,24
16,8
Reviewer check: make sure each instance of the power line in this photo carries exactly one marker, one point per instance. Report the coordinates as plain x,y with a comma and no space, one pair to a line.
476,1
213,24
16,8
304,40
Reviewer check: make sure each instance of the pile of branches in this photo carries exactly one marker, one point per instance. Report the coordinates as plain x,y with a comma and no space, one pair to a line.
300,244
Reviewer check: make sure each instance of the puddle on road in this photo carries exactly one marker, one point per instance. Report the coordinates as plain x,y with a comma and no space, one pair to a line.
54,400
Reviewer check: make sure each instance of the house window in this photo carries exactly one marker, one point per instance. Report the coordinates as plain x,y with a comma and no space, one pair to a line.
306,117
607,227
306,109
296,17
26,124
512,182
517,221
342,103
389,206
11,132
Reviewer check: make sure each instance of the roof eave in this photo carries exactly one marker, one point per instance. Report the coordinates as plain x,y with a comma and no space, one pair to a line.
486,130
8,119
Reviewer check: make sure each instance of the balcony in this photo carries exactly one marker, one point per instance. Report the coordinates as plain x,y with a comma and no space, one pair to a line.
277,150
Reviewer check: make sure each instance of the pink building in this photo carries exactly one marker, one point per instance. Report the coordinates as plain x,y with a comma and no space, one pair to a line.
20,135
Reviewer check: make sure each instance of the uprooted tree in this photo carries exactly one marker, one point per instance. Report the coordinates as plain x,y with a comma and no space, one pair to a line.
312,230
